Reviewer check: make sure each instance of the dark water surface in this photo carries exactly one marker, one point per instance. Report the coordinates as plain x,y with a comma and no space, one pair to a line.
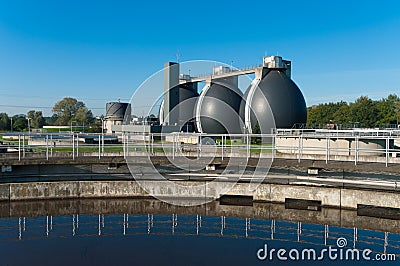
149,232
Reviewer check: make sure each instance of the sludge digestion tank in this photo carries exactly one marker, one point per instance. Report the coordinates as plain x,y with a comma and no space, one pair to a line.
273,100
217,108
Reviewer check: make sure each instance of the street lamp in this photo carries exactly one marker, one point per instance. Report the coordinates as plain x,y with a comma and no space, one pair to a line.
102,123
11,124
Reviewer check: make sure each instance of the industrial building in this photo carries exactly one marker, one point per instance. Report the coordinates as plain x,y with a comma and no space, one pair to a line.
117,113
272,100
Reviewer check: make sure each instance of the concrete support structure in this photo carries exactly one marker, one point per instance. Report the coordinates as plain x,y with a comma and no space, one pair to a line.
171,91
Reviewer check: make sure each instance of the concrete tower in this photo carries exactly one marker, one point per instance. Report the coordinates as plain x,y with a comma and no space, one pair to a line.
171,92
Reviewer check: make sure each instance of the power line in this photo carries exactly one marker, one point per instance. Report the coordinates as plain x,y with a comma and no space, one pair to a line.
50,107
57,97
36,107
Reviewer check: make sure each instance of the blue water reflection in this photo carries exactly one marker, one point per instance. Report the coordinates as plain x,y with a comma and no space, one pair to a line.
174,239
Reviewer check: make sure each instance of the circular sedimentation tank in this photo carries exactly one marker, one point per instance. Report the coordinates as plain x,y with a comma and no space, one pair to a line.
275,101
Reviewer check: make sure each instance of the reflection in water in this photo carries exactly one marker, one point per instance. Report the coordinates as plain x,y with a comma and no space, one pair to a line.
130,231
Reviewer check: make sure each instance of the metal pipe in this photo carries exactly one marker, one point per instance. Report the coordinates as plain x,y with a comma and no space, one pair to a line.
152,143
102,143
47,147
123,144
346,181
73,146
222,145
23,146
327,149
77,145
19,147
173,147
99,146
387,152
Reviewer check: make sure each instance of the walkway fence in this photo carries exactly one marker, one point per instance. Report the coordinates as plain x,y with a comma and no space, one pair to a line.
329,145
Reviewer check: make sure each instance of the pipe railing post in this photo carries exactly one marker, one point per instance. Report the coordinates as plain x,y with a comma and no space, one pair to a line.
123,144
173,147
127,138
273,145
300,147
19,147
77,145
247,146
47,147
152,143
102,143
356,151
99,140
73,146
198,146
23,146
222,145
387,151
327,149
51,145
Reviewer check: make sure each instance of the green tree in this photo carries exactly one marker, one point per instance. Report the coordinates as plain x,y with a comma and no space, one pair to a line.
83,116
20,124
5,122
94,127
388,110
70,109
342,114
37,119
364,111
51,120
322,114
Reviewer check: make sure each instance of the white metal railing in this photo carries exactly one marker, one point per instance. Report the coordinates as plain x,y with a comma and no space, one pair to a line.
329,145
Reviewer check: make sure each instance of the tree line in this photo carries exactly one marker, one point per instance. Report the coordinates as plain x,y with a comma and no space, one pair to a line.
66,112
363,112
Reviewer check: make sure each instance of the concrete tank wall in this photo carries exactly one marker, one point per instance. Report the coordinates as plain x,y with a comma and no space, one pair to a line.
328,196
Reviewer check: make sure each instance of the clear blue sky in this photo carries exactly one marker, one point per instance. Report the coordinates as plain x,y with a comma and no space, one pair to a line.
98,51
